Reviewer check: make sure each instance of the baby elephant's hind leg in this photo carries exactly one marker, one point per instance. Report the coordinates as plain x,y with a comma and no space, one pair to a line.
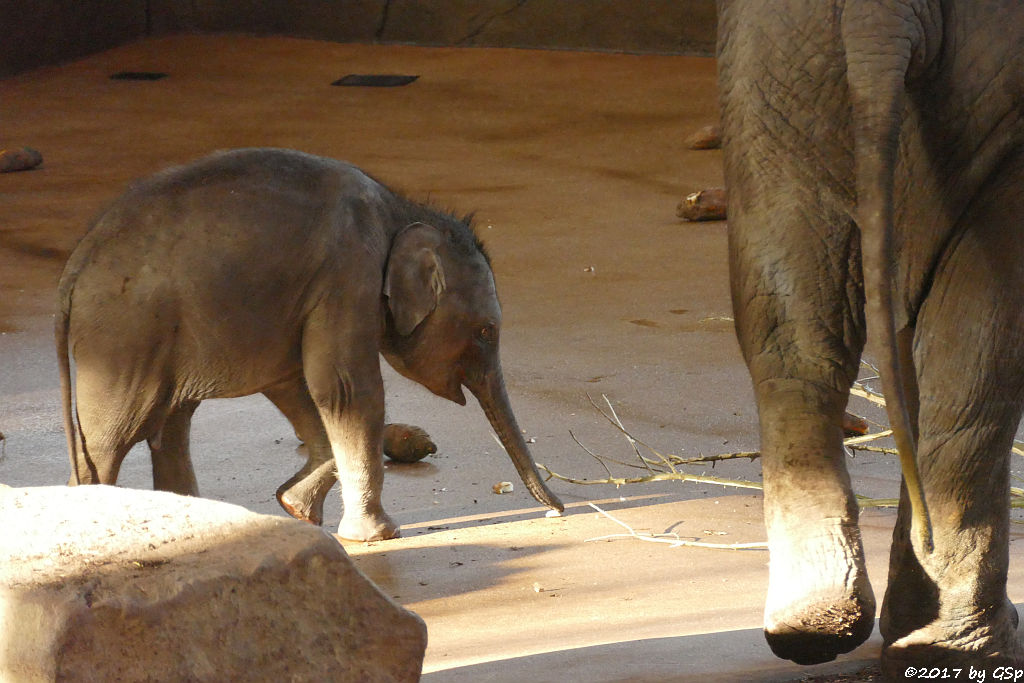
111,419
169,450
303,495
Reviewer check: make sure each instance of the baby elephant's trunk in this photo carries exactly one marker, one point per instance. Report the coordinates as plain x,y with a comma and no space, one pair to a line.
493,398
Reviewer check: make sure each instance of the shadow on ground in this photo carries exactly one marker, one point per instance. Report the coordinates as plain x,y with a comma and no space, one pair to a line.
728,657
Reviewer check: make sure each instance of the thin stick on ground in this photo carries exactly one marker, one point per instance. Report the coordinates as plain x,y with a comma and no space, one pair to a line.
666,464
633,441
664,467
589,452
618,423
657,476
672,540
857,440
863,391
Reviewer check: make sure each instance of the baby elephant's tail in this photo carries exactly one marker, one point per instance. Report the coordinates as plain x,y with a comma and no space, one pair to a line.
61,328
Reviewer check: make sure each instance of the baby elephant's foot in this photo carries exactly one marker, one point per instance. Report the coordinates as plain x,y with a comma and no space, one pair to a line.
304,510
367,527
303,495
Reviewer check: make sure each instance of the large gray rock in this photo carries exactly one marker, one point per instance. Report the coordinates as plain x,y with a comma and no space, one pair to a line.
105,584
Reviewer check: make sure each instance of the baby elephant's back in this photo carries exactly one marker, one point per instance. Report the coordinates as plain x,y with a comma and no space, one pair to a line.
230,247
233,207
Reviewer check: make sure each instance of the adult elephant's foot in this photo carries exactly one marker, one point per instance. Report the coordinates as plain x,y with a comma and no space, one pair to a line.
820,603
367,527
949,608
982,641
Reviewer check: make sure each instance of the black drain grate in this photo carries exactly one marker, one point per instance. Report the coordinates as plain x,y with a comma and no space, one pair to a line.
375,80
138,76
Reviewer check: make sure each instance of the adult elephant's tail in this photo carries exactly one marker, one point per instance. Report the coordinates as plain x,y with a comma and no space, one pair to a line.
882,46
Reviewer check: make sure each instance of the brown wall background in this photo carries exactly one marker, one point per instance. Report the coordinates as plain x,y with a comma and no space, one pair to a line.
38,32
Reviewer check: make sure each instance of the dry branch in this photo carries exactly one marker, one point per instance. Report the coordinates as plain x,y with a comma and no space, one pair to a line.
657,476
671,539
663,467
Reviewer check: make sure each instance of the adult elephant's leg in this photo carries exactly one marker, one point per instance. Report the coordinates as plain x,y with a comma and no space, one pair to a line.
302,496
797,299
169,451
819,602
950,605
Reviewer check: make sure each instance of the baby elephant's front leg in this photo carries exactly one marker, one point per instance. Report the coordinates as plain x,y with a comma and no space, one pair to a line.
303,495
356,442
354,420
342,372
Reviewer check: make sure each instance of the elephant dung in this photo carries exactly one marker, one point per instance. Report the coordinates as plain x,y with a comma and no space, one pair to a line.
854,425
705,205
407,443
708,137
21,159
101,584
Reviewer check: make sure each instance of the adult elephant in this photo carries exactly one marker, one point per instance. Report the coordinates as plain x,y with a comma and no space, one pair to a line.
875,166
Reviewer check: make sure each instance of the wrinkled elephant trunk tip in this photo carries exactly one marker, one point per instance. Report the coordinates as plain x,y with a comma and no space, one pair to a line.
547,498
494,400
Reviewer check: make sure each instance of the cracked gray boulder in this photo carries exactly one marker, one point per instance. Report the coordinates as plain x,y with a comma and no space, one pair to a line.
106,584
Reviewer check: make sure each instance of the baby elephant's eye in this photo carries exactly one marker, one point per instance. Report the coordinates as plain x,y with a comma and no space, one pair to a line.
488,333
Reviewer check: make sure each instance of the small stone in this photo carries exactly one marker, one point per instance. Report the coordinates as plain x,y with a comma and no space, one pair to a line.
19,159
705,205
708,137
502,487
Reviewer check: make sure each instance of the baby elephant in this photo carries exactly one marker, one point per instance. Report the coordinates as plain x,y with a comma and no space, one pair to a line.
273,271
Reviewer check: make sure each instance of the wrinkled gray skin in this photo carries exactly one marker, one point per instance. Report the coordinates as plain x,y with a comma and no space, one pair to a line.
275,272
875,167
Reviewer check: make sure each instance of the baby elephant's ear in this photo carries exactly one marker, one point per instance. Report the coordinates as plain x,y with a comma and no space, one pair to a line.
415,278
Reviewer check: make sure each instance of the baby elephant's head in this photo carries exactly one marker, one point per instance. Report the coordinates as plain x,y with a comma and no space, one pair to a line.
443,329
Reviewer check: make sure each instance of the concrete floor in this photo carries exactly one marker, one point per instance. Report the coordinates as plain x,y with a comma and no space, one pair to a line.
574,165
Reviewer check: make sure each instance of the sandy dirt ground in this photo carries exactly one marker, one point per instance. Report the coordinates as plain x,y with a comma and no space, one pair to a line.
574,165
